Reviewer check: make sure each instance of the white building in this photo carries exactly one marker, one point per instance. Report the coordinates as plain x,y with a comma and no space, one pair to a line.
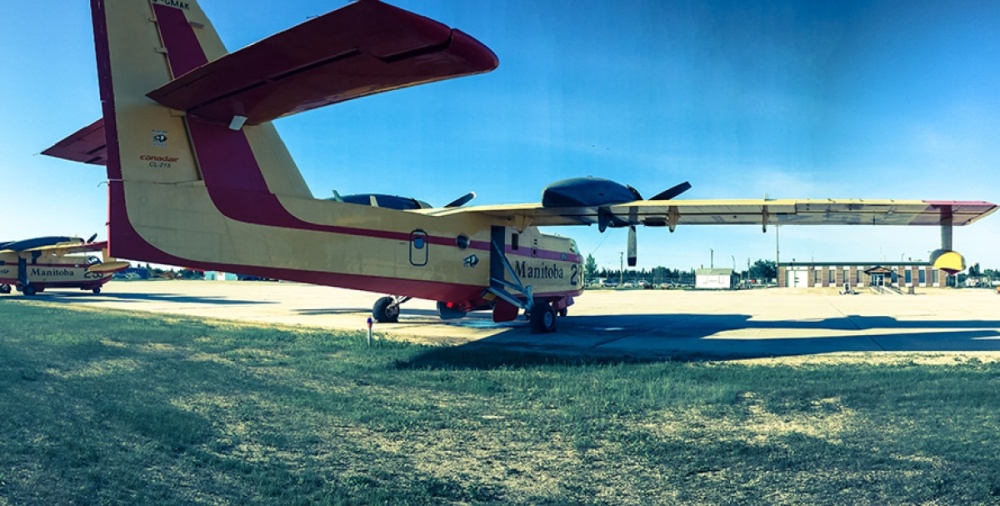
713,279
220,276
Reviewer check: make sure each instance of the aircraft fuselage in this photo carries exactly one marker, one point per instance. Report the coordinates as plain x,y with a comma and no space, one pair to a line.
404,253
47,270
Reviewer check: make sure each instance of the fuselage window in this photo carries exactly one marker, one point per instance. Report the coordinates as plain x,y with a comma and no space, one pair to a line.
514,241
418,248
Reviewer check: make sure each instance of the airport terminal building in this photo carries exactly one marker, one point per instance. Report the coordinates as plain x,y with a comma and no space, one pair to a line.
899,275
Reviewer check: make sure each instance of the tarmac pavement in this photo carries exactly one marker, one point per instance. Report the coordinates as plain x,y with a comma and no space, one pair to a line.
638,324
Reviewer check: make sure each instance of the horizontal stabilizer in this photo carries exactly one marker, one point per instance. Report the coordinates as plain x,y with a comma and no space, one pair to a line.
109,267
364,48
87,145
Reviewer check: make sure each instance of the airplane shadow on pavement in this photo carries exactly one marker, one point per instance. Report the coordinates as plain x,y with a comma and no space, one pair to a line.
696,337
71,297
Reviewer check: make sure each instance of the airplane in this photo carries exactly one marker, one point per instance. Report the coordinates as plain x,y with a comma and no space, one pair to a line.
198,176
33,265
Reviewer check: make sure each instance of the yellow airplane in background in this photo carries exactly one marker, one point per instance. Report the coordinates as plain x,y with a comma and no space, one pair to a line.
33,265
199,177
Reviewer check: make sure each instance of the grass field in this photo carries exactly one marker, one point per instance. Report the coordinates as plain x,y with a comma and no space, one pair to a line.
127,408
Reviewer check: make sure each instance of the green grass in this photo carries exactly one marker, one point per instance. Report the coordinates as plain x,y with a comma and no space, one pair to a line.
118,408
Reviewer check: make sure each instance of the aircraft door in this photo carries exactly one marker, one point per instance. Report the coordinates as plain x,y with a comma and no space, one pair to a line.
418,248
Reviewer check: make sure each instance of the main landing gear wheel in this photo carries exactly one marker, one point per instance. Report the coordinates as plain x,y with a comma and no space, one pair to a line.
30,290
5,288
96,291
386,310
543,318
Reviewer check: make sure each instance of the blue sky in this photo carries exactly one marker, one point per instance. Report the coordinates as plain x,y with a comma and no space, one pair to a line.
795,99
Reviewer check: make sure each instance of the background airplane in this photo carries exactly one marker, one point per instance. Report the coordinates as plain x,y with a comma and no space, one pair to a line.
33,265
199,177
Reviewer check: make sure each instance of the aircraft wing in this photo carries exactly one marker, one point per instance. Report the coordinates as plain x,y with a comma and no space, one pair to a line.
737,212
363,48
67,248
58,245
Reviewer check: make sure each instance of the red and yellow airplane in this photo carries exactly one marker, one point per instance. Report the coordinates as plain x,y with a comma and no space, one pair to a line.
199,177
32,265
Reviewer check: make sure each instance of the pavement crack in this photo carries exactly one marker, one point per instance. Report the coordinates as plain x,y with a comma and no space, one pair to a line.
858,327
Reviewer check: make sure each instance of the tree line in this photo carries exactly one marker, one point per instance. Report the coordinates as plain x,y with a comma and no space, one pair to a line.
761,270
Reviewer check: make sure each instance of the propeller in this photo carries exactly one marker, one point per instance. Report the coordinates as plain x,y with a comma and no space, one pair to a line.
91,238
633,219
673,192
461,201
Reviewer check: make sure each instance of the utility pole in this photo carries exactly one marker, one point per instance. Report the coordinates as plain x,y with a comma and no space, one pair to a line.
621,271
711,259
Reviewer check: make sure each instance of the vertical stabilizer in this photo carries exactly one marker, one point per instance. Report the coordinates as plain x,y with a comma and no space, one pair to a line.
199,178
142,45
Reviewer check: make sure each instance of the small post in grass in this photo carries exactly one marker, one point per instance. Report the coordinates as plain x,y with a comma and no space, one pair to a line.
369,332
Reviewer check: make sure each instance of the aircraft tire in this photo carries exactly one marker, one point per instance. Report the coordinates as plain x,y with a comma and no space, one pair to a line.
385,311
543,318
5,288
30,290
563,312
96,291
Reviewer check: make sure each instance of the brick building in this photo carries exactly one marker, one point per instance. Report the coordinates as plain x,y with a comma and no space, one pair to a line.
860,274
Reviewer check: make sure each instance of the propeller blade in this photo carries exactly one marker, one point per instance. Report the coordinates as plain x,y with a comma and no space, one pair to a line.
91,238
461,201
673,192
632,246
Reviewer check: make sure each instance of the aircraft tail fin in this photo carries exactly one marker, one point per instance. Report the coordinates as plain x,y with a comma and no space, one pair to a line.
140,47
190,150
